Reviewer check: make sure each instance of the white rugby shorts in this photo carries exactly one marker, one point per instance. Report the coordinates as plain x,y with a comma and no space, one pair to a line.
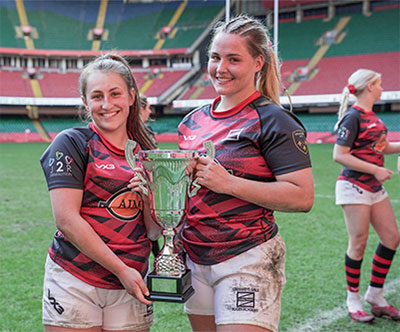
347,192
245,289
72,303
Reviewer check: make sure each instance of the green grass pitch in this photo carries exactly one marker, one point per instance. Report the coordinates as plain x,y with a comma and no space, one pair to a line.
315,242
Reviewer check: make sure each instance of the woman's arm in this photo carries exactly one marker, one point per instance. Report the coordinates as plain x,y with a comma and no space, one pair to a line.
398,164
66,203
391,147
292,192
342,155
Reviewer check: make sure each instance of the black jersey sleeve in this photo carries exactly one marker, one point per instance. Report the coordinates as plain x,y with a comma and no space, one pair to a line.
64,161
348,128
283,140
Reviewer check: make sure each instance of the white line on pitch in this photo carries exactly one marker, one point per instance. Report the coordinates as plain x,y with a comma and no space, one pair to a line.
324,196
327,317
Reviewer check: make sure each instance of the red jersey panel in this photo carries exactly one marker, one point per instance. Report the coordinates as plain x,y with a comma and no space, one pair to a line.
256,141
365,134
80,158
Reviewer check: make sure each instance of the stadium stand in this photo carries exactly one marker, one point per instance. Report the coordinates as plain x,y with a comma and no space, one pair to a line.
367,41
51,82
14,84
130,26
330,79
44,45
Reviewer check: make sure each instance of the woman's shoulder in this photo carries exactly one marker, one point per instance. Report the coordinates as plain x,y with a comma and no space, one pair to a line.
272,113
76,132
77,136
352,114
69,144
199,111
267,108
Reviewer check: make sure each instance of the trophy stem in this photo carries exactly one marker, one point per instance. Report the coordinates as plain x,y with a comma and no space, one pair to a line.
168,262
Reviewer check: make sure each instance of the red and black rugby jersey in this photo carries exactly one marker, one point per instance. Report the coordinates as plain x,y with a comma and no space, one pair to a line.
365,134
81,158
256,141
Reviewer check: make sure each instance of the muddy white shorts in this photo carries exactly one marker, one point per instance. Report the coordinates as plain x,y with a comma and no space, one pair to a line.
347,192
70,302
245,289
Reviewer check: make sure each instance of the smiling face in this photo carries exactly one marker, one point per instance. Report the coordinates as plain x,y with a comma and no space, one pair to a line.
108,100
232,69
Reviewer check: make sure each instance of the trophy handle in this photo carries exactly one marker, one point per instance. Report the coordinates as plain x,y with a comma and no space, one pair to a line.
210,151
210,148
131,159
195,189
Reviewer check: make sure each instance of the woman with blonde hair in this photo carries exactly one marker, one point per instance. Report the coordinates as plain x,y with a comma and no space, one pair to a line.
261,164
360,148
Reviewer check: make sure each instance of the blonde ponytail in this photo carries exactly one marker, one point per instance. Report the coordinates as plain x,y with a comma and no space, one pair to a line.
344,101
357,82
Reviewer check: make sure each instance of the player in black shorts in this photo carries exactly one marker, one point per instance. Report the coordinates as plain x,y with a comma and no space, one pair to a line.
99,254
261,164
360,148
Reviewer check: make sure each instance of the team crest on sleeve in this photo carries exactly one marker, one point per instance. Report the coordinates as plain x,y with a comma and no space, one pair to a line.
60,165
124,205
343,133
299,140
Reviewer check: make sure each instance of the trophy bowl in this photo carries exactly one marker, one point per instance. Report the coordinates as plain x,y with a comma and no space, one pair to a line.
168,187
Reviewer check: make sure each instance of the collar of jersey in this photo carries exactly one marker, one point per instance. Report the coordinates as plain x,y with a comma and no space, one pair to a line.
235,109
362,110
109,146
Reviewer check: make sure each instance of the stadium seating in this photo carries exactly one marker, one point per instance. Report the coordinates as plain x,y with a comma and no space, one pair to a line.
51,82
65,25
334,72
164,80
14,84
173,27
62,25
368,42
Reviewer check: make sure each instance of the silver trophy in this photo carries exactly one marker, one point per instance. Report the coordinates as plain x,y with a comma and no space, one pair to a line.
165,182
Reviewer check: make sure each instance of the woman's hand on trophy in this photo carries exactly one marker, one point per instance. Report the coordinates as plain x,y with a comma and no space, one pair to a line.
134,284
212,175
191,167
137,183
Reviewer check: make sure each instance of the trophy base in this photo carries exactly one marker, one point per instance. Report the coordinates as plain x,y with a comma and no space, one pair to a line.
170,289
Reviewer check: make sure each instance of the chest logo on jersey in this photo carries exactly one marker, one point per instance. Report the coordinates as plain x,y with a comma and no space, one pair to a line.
189,137
105,166
233,135
380,144
124,205
299,140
